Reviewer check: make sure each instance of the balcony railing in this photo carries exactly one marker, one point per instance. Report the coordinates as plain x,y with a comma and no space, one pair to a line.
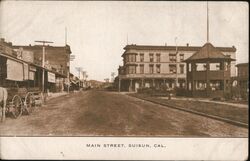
154,75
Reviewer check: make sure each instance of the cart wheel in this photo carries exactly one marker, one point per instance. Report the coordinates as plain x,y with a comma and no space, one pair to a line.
29,103
17,106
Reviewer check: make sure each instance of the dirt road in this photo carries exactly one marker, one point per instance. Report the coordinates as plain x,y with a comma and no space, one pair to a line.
100,113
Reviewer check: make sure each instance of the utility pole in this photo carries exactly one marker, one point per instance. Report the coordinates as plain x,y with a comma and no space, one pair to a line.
43,61
71,58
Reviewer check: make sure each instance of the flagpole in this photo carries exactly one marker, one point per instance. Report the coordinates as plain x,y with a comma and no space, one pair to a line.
207,23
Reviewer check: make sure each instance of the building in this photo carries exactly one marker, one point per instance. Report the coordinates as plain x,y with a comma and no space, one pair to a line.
56,63
243,79
21,66
208,73
56,57
154,66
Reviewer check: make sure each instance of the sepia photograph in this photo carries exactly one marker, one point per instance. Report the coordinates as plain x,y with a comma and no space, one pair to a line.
123,78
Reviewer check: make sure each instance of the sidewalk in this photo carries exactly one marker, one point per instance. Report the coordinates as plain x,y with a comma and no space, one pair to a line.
209,101
54,95
216,110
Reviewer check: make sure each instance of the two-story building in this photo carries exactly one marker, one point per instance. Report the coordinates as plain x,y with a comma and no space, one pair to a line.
154,66
56,64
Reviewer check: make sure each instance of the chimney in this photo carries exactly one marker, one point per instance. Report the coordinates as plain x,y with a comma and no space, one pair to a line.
2,39
187,44
29,44
10,43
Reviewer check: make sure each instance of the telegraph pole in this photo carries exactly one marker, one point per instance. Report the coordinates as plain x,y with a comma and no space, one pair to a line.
43,61
71,58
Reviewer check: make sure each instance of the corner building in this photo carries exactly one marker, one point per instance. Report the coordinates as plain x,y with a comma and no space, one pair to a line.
155,66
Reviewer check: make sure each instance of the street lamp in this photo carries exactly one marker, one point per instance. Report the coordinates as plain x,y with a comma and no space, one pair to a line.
43,61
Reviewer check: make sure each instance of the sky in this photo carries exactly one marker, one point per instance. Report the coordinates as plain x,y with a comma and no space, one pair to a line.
98,31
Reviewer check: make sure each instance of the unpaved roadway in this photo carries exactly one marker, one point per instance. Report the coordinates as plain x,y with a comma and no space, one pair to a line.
101,113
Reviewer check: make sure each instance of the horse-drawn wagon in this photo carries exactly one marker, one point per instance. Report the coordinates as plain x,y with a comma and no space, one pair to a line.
18,101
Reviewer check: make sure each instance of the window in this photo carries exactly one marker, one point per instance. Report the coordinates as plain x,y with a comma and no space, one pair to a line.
200,85
158,68
216,85
158,57
151,57
141,68
151,68
131,58
172,68
201,66
131,69
215,66
172,57
141,57
181,57
181,68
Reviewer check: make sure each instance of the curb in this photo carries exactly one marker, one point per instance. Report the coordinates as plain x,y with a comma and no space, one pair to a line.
233,122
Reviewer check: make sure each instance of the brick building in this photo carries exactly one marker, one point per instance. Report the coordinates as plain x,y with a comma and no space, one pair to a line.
154,66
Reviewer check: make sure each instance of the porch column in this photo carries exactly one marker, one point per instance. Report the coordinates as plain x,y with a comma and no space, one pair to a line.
119,85
187,76
153,82
142,82
192,72
164,82
131,85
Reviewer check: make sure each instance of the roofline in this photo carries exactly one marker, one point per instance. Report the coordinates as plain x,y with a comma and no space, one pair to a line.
34,46
29,63
242,64
184,48
40,46
193,60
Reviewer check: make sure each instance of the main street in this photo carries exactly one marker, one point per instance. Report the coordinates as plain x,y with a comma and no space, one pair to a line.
102,113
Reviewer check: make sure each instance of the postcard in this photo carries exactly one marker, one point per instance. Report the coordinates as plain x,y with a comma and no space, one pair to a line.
124,80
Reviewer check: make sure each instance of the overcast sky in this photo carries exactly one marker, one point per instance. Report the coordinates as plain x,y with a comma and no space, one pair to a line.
97,31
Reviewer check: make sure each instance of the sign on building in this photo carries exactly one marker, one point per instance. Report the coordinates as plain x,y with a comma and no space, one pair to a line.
14,70
51,77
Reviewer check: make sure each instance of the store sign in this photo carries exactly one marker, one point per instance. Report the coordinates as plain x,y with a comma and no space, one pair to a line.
31,75
51,77
14,70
